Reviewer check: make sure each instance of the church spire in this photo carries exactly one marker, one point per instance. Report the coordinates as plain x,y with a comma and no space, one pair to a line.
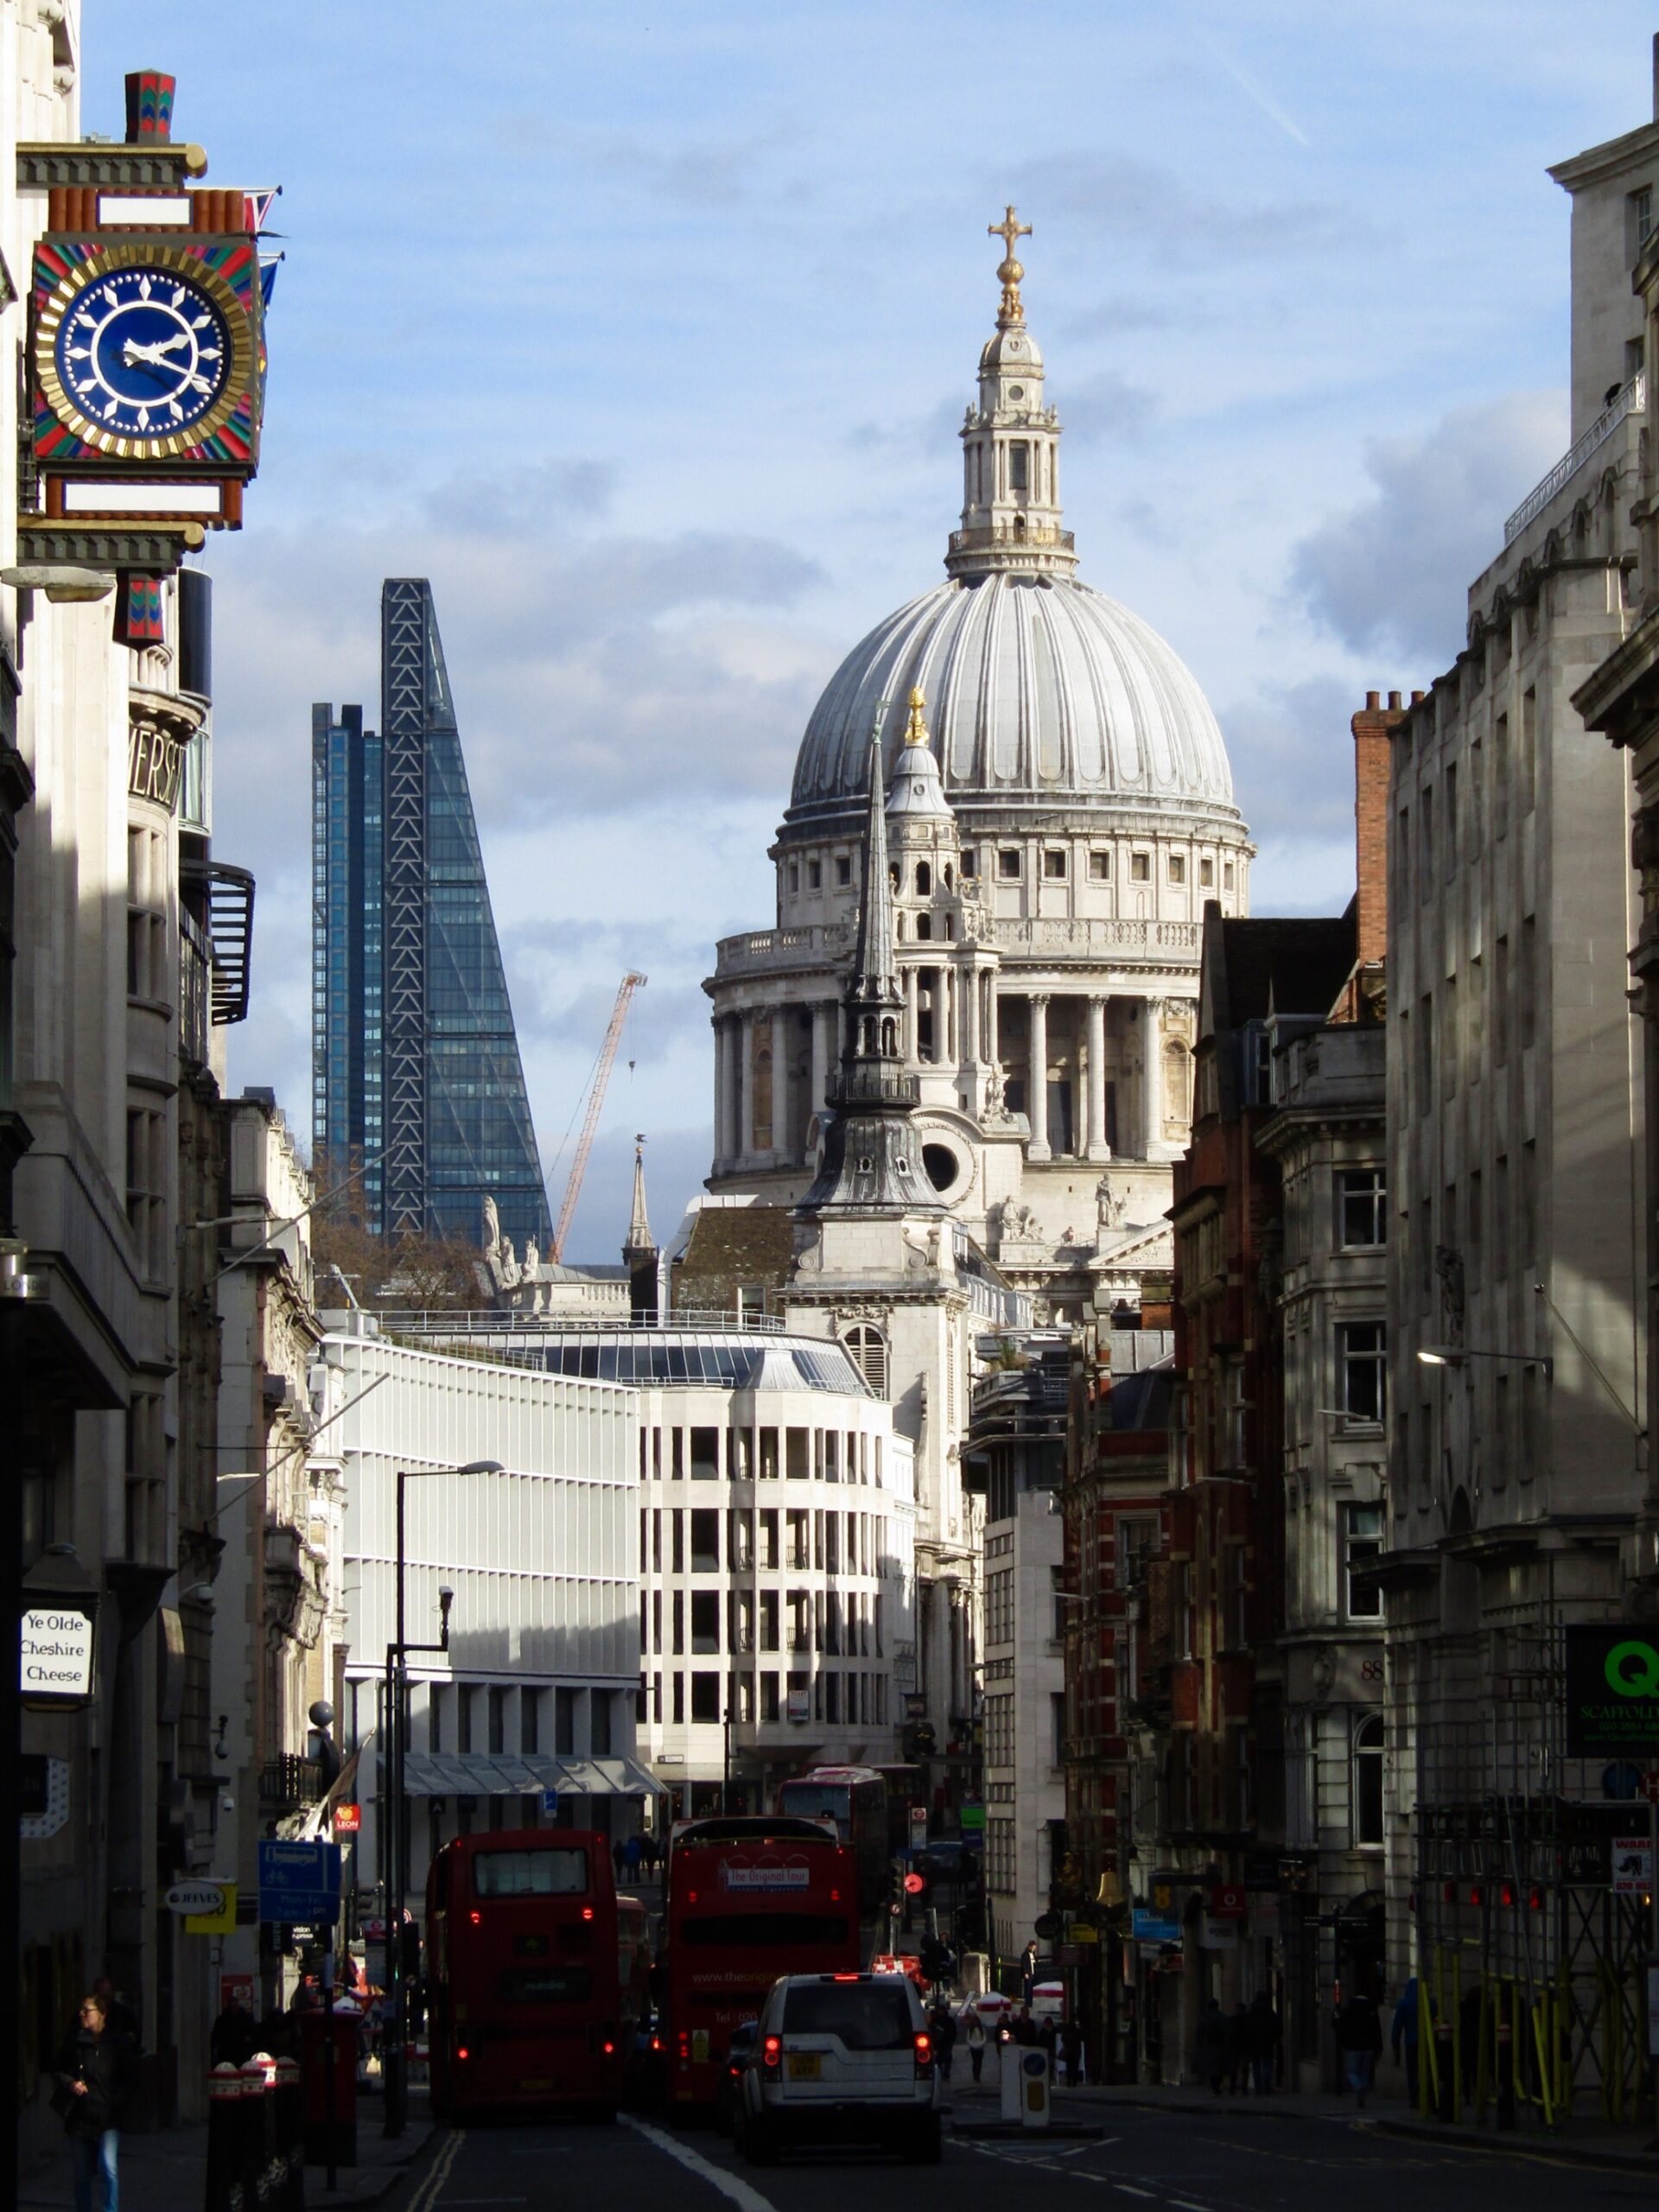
872,1156
1011,447
639,1236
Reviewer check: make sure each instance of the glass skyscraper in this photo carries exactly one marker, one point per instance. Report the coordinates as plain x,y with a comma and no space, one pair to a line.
415,1071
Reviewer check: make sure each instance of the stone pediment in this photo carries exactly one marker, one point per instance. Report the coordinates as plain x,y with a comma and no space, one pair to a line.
1145,1244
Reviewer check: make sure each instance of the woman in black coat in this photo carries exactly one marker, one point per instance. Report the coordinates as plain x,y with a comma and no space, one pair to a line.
95,2070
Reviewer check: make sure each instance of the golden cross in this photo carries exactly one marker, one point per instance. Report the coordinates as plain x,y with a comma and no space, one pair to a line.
1009,273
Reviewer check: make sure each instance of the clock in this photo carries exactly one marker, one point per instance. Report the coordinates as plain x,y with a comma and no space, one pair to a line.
147,352
142,353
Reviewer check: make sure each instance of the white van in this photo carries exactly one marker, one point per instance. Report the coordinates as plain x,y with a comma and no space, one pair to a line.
841,2057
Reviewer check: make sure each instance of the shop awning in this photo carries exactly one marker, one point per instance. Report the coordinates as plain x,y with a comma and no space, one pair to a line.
506,1774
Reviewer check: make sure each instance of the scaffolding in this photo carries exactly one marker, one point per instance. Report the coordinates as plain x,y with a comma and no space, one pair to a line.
1531,1909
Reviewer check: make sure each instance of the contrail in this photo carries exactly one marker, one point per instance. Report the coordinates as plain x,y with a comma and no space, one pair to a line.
1258,92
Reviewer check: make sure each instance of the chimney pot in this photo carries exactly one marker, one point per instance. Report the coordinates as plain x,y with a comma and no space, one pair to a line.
1373,700
1394,699
1417,698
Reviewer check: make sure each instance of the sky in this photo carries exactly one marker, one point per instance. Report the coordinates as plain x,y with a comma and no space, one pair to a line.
645,332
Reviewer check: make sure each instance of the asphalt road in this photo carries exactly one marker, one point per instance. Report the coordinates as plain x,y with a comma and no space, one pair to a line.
1145,2162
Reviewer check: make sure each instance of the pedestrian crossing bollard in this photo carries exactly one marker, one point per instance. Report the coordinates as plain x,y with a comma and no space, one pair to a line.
224,2139
254,2107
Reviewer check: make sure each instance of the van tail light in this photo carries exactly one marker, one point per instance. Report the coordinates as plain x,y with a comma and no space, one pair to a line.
462,2052
772,2052
608,2049
923,2054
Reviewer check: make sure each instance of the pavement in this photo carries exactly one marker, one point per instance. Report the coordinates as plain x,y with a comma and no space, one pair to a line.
166,2171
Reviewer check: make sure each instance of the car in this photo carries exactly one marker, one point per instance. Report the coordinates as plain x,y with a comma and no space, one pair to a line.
738,2054
840,2057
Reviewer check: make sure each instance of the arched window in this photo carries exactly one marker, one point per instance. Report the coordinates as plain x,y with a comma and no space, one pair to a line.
924,879
868,1351
1368,1779
924,928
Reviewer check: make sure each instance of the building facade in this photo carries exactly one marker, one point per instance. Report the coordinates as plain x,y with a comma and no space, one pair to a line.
1516,1476
415,1071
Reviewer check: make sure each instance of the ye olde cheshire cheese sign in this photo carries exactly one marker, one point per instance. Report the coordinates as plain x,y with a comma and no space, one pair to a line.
56,1652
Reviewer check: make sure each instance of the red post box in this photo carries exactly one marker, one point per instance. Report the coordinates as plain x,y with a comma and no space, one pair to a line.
328,2084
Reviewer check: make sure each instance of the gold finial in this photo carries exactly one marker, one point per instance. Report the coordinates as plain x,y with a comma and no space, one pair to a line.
1010,271
916,730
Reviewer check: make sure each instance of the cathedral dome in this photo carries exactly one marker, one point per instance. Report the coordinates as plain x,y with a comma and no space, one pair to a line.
1042,693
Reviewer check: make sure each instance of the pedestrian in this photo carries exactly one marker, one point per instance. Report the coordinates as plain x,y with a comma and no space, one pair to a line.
117,2012
944,2038
1048,2037
95,2071
1262,2042
1024,2033
631,1855
1210,2045
617,1858
1028,1973
1239,2049
1359,2039
1071,2049
973,2036
1403,2034
234,2038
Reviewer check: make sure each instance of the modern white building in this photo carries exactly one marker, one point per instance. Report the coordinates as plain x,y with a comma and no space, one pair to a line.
538,1687
775,1596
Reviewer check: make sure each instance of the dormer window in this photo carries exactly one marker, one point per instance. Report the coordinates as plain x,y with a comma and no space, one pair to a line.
1054,864
843,870
815,875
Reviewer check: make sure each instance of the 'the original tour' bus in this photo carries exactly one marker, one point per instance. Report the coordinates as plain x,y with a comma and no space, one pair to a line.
750,1896
539,1972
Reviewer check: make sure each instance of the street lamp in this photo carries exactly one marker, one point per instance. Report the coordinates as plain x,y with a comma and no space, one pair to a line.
1460,1354
394,2073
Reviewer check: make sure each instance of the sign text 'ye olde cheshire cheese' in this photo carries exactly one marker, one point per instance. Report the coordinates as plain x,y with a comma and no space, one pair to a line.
57,1652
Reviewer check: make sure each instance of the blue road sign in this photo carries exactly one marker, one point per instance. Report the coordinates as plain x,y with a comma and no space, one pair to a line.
550,1800
299,1882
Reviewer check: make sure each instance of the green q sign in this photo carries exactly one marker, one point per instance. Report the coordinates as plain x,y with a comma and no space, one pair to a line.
1613,1691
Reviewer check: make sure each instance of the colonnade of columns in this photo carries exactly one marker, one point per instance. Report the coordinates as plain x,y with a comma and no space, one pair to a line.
966,1005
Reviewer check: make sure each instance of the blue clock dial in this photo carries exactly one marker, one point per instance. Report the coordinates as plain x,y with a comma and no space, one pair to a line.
142,353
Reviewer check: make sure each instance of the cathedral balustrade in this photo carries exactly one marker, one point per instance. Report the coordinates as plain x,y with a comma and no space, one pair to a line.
1082,937
797,948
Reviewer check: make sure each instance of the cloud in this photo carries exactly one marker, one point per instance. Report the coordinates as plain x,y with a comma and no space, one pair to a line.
1104,406
1392,572
1145,209
1293,756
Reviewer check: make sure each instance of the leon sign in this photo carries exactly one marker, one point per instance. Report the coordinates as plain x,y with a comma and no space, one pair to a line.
1612,1690
56,1652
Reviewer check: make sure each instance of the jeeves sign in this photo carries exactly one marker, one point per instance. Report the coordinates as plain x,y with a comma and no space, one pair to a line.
1612,1690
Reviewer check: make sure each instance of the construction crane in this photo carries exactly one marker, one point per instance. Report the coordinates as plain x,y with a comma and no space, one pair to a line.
631,983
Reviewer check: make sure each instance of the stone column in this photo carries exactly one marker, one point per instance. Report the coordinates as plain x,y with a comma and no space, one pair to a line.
913,1025
745,1086
970,1015
1097,1148
780,1081
722,1088
1152,1107
951,1055
822,1017
1037,1077
992,1027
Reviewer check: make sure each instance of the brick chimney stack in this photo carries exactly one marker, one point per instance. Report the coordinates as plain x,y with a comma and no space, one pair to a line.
1373,728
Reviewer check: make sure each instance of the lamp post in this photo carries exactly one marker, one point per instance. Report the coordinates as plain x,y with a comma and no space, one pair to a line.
394,2072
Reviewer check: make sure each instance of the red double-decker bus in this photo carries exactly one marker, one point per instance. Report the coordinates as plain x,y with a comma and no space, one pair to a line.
539,1972
750,1896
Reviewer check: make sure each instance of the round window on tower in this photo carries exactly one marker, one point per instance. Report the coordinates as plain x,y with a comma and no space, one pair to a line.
942,1164
1016,392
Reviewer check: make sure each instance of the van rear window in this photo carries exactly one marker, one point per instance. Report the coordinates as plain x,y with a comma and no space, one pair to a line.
864,2015
555,1871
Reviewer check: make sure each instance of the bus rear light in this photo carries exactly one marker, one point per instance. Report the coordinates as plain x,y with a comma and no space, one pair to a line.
462,2052
608,2049
834,1897
924,2053
772,2053
477,1919
586,1912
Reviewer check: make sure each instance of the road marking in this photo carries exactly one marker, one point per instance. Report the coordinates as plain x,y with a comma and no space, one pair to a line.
1185,2206
426,2195
729,2184
1129,2188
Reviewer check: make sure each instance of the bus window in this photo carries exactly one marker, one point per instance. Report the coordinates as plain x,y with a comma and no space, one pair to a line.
550,1873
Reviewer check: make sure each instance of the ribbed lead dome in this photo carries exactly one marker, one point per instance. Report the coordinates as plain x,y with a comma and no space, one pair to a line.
1041,693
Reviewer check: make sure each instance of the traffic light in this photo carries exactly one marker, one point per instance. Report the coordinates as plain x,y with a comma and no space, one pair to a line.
898,1882
939,1960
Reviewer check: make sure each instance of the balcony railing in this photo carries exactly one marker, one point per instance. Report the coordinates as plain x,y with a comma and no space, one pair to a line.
288,1783
1633,400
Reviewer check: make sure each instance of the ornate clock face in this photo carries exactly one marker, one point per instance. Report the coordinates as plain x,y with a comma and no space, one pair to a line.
142,353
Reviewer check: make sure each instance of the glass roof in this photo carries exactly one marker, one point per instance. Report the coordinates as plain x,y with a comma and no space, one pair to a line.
699,1359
